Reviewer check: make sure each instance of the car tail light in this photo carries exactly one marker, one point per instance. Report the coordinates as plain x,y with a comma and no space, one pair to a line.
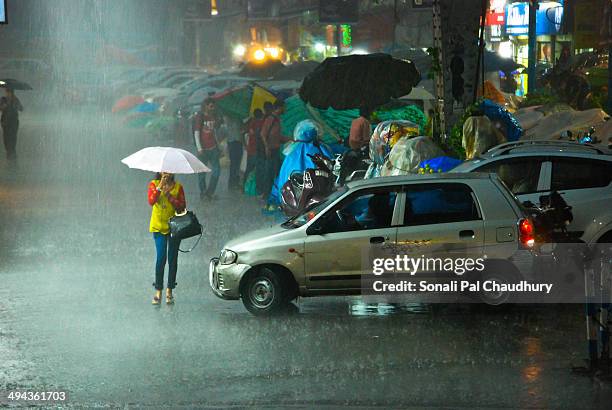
526,233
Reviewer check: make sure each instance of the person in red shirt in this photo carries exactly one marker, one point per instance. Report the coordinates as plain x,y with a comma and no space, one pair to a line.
272,139
252,140
361,129
205,127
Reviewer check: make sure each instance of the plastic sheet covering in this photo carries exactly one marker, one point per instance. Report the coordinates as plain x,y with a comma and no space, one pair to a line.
528,117
408,153
385,136
496,113
551,126
337,123
305,135
479,134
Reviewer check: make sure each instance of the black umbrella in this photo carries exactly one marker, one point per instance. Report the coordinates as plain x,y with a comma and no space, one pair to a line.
14,84
358,80
495,62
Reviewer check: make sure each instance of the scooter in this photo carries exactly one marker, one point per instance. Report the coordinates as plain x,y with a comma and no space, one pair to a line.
351,165
303,190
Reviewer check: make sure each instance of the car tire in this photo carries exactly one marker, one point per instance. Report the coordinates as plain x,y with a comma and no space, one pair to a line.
499,298
263,292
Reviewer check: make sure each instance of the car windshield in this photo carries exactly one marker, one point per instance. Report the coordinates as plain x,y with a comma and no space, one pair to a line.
307,214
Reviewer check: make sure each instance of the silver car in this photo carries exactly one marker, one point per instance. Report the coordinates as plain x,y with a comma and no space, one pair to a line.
320,252
581,173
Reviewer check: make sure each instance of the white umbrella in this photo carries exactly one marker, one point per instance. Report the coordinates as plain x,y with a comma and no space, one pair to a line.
165,159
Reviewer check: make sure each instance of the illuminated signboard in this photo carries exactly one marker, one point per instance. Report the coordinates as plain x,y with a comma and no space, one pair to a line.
548,18
496,13
3,12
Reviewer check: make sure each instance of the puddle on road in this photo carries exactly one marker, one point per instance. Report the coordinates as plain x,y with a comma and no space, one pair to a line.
361,308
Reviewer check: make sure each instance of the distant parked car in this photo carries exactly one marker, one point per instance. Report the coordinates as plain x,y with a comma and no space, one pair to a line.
319,252
581,173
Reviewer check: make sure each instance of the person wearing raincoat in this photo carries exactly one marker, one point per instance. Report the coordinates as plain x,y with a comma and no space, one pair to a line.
306,136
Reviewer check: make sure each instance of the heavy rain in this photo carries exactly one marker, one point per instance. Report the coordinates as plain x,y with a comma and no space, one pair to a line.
81,310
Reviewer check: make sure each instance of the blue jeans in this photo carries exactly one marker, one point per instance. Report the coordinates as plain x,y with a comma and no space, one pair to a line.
211,159
165,246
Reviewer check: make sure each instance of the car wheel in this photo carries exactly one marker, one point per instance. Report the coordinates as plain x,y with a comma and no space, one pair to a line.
263,292
494,297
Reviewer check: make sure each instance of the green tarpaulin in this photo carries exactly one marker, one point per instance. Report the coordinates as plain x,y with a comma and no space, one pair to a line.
337,124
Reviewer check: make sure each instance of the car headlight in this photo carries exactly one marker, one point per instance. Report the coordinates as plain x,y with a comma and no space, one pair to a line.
227,257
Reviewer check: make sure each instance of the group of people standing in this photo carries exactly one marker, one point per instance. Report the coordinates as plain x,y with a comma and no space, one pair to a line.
261,136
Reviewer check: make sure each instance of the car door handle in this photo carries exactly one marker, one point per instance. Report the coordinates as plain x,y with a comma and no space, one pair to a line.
468,233
378,239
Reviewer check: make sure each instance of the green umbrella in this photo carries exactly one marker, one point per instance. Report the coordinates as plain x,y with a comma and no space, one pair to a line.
137,121
160,123
240,101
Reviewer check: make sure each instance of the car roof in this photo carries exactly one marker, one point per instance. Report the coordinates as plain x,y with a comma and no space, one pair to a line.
426,178
544,147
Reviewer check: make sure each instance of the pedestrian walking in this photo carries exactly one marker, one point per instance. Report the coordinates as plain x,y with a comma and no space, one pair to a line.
166,196
272,141
260,167
10,107
205,128
252,141
361,129
233,133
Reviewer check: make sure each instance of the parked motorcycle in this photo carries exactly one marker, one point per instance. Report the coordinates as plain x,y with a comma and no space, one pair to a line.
551,218
351,165
304,189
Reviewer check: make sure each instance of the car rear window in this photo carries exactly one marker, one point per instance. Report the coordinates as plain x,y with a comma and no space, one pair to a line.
579,173
521,175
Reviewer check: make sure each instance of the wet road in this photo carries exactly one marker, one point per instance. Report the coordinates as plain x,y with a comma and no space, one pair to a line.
76,264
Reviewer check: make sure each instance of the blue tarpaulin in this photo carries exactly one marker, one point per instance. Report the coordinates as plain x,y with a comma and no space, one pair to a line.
441,164
496,112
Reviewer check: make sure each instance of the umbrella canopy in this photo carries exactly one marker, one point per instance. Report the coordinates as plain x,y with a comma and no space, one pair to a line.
241,101
495,62
127,102
137,119
145,107
14,84
160,123
165,159
352,81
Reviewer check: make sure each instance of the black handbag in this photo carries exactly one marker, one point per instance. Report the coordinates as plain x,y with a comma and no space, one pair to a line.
185,225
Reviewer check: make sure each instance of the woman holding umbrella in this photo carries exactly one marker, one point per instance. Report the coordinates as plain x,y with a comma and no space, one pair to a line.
167,197
10,107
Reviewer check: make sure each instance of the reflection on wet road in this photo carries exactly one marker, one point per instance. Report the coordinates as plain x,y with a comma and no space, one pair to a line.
76,263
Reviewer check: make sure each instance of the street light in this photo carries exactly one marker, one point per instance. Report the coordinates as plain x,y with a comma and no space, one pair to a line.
213,8
319,47
240,50
259,55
